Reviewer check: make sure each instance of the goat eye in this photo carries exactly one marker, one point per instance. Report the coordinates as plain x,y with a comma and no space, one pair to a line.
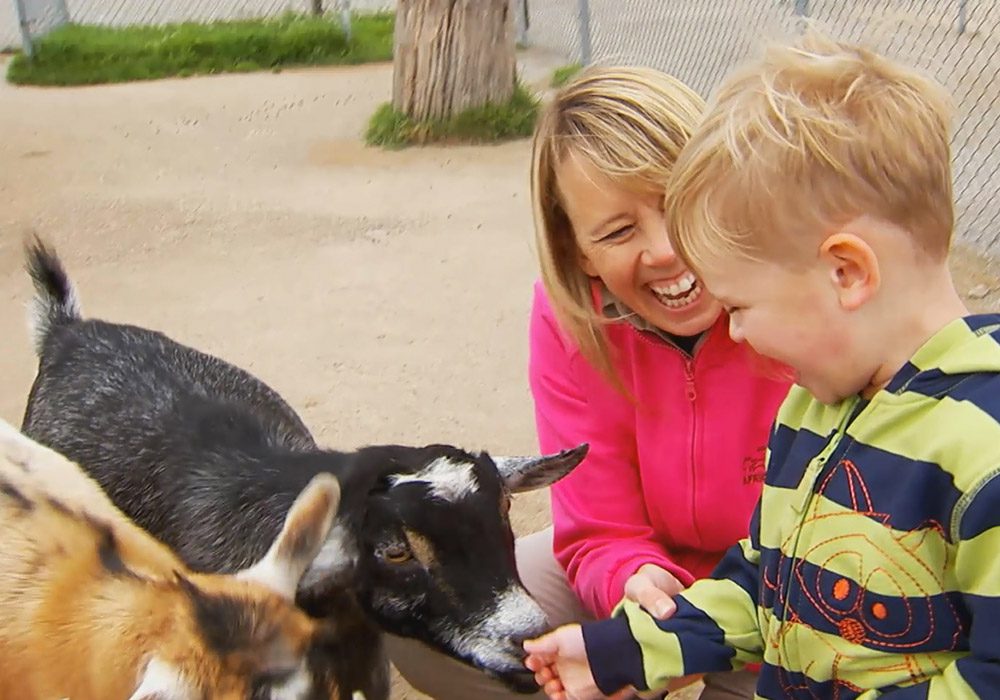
397,554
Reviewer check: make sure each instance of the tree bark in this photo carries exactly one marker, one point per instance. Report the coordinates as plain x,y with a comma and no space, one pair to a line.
451,55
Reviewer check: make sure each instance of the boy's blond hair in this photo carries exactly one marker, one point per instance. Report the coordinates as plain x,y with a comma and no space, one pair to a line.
630,123
809,137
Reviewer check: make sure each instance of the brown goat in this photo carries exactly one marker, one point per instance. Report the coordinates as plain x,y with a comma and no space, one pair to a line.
92,607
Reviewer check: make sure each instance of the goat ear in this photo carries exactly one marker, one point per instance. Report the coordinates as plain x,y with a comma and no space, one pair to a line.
529,473
305,530
160,681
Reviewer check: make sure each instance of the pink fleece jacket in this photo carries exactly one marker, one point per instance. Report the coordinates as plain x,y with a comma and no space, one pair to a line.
671,479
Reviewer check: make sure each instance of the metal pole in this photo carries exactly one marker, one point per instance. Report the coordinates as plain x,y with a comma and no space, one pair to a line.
521,19
22,23
62,11
963,16
345,18
586,52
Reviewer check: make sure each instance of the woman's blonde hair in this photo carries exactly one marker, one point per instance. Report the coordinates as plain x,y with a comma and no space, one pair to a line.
630,123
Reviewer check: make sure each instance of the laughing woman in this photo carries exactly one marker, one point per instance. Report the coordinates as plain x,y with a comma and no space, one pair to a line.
631,355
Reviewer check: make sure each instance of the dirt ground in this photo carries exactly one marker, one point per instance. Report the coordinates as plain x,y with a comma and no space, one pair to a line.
385,295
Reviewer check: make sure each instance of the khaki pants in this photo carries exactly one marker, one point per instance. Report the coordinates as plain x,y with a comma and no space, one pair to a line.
444,678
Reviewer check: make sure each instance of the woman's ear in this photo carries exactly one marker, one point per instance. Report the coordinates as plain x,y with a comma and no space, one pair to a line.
853,269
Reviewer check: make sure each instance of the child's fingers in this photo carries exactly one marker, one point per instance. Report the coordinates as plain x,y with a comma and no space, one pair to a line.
536,661
546,646
544,675
554,689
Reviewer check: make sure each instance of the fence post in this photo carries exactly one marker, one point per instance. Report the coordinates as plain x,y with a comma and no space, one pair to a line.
586,52
22,23
62,12
963,16
802,8
522,21
345,18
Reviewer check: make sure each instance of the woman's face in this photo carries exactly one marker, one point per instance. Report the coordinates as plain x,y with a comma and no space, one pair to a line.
622,238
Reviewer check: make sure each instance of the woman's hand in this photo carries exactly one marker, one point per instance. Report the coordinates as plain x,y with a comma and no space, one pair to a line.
654,588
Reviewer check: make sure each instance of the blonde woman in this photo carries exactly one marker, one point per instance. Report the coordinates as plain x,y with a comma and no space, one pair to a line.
630,354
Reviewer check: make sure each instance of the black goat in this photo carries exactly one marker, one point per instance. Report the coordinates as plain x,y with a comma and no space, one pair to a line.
209,460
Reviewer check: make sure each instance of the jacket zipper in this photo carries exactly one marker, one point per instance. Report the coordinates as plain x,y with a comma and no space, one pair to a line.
692,394
810,476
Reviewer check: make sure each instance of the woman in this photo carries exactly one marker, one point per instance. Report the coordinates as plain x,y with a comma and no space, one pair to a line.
631,355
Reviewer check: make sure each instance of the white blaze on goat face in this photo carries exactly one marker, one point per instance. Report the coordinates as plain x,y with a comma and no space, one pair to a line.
447,480
492,641
161,680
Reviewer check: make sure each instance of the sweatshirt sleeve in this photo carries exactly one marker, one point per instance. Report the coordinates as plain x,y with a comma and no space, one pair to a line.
602,533
714,628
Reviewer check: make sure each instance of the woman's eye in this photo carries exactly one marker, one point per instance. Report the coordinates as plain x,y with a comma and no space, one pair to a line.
618,233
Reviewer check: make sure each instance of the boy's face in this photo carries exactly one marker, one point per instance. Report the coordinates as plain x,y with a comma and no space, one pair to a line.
795,317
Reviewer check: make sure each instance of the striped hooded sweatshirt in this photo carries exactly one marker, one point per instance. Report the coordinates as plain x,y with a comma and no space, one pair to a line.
872,568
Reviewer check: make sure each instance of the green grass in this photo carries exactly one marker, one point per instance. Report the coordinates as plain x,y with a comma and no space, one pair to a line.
84,55
490,123
562,75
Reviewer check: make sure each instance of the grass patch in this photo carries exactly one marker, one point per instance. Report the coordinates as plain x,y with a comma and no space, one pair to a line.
86,55
490,123
562,75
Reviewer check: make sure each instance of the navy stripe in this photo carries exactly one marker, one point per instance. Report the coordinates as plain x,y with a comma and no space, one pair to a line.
703,643
896,491
775,570
791,450
839,605
977,322
985,633
735,567
981,389
754,531
905,374
983,512
936,383
778,684
982,675
615,656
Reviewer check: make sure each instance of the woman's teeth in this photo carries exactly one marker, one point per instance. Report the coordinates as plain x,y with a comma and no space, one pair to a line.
680,293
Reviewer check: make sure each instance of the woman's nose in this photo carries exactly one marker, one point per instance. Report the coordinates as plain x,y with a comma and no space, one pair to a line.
657,249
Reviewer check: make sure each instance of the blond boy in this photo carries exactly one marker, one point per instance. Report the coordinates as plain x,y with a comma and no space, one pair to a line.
815,203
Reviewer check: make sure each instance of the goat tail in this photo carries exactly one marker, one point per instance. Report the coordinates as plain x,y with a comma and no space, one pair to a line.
55,302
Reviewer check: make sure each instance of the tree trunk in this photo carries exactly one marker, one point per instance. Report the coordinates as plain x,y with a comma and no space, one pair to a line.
451,55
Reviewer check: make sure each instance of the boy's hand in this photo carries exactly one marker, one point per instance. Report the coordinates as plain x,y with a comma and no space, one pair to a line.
559,662
654,588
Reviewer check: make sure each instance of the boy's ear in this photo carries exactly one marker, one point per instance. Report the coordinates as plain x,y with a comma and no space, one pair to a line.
853,268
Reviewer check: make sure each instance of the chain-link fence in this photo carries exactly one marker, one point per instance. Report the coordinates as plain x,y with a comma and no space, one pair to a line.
957,41
22,21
